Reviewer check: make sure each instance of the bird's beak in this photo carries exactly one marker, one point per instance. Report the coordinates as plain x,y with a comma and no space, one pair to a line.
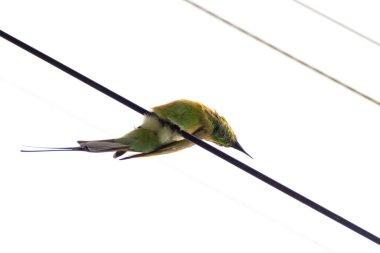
240,148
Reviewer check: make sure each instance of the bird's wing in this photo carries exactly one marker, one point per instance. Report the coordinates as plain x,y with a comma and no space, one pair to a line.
171,147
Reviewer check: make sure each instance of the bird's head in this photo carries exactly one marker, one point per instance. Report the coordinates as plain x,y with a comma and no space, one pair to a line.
223,135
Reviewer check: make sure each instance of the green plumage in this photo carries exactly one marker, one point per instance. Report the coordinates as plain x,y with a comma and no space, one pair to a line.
140,140
153,138
188,115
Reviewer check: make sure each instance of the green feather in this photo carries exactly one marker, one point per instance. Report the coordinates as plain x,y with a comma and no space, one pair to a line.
152,138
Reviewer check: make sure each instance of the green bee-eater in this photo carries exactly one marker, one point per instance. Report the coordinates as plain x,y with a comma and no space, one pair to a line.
154,138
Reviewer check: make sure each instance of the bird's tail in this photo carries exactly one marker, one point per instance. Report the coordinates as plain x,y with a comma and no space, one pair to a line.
49,149
88,146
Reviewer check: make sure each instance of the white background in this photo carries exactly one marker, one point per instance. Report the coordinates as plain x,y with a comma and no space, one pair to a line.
302,129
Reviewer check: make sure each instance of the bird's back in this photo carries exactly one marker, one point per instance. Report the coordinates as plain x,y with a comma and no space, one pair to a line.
188,115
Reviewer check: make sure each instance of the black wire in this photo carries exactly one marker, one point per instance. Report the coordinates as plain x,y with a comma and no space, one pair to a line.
284,53
337,22
197,141
74,73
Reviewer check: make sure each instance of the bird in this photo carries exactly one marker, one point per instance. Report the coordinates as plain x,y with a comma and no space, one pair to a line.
154,137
